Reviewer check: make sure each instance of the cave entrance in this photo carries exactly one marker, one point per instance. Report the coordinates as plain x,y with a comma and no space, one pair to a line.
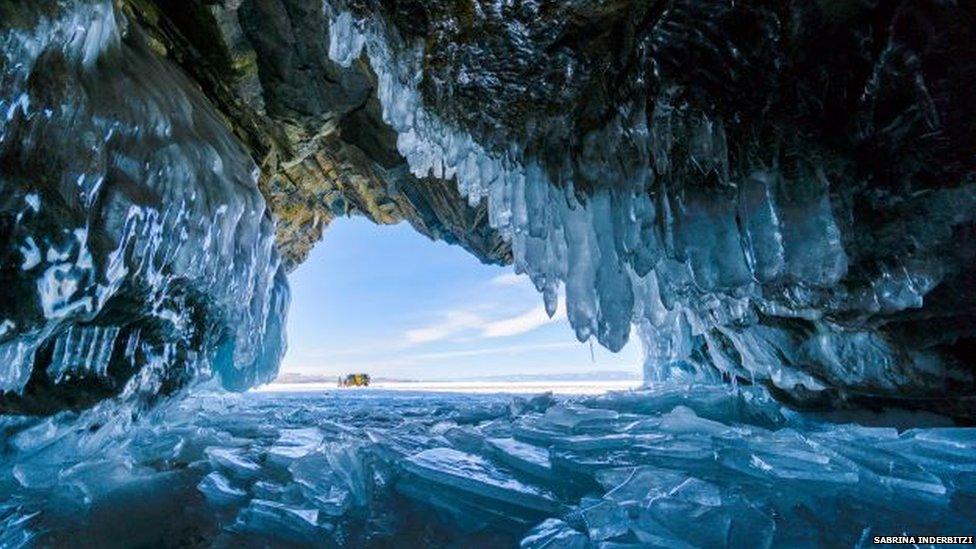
418,314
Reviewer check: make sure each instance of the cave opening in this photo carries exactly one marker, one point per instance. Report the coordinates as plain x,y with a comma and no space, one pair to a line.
419,314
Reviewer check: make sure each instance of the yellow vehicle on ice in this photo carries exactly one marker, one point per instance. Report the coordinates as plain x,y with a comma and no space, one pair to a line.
354,380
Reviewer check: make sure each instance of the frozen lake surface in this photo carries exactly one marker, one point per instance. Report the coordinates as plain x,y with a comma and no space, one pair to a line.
584,387
669,467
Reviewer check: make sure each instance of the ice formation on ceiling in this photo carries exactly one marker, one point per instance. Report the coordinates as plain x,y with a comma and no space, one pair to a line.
137,250
727,271
135,240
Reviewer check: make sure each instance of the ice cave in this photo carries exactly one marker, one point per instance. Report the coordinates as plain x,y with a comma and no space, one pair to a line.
776,199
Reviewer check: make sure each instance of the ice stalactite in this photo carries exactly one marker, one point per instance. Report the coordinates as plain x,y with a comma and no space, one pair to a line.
138,254
730,267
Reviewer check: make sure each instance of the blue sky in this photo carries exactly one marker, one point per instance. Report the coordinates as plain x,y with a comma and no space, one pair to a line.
388,301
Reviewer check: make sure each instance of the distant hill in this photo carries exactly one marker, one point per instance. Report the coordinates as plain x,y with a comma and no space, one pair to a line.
295,377
598,375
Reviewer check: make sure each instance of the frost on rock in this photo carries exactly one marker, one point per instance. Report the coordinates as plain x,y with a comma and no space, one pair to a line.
739,247
711,466
138,253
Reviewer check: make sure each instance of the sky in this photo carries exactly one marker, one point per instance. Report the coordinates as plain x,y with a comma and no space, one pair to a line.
390,302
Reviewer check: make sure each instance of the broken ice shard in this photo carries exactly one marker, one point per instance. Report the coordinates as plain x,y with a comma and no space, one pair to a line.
474,475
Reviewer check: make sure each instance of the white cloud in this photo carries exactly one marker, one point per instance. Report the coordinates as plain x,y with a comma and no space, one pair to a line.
511,279
453,322
369,362
509,350
480,326
525,322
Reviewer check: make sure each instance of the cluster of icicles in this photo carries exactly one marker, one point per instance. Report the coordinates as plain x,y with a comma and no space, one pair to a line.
680,266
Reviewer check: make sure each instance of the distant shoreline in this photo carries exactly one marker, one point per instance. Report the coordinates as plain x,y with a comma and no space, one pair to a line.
484,387
290,378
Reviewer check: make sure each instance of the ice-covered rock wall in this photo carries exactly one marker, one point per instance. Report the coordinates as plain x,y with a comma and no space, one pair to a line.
779,194
313,127
137,251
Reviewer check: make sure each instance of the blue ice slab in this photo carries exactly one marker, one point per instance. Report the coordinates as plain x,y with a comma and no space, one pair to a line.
554,534
474,475
652,469
523,457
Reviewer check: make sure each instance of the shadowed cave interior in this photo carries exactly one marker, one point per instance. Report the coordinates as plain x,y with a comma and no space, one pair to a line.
776,199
